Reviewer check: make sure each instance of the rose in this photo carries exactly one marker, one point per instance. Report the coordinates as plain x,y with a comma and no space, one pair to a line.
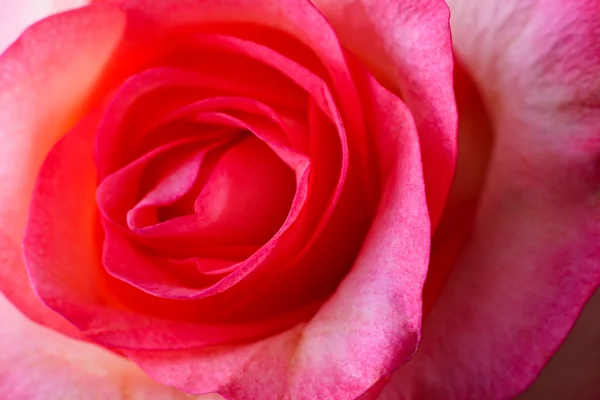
409,364
227,196
356,371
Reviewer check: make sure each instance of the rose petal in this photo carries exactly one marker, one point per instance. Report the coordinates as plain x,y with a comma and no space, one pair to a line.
532,260
33,116
324,232
171,180
406,43
377,307
249,176
293,128
474,148
261,171
251,371
118,192
37,363
158,276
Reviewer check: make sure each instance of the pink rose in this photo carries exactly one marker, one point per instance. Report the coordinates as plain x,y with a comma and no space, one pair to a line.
254,198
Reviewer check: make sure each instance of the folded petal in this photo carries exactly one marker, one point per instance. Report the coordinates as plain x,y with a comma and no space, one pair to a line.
406,44
532,259
45,78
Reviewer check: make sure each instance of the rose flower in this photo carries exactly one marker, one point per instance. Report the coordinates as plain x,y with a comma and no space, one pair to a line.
258,198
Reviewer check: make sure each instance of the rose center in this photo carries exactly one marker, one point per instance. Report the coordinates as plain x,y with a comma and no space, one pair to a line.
239,192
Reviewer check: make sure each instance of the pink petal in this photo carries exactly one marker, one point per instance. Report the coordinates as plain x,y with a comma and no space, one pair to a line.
176,235
249,176
377,308
158,276
330,66
37,363
474,148
33,116
117,193
532,260
406,44
323,147
171,180
244,372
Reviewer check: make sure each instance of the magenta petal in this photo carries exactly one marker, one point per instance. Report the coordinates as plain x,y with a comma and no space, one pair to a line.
290,17
117,193
249,176
172,279
255,370
407,45
60,245
293,132
175,181
532,260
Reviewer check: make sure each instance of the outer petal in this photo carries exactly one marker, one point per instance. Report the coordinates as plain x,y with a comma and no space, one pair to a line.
38,364
407,46
45,79
533,259
17,15
474,144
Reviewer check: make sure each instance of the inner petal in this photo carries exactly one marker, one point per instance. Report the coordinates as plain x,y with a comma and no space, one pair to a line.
244,198
175,179
248,193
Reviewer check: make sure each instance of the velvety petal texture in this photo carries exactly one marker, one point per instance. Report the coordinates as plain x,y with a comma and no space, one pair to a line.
532,260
